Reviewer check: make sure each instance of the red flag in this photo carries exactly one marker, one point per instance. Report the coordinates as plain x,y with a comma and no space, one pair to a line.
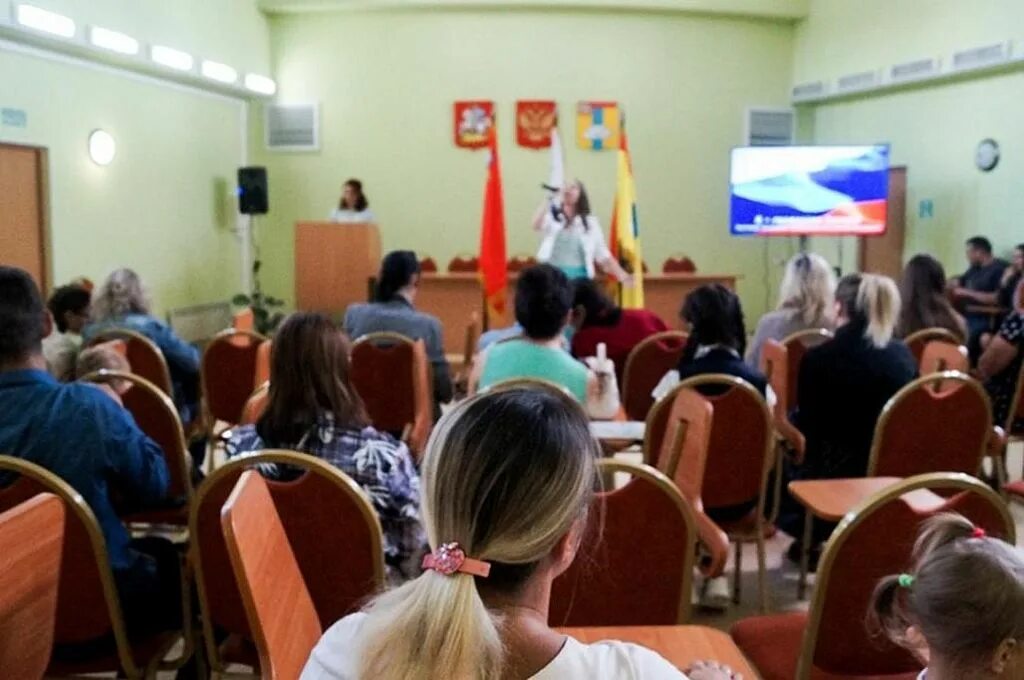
493,265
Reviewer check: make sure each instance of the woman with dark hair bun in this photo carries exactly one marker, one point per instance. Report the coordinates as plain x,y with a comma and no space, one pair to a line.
353,206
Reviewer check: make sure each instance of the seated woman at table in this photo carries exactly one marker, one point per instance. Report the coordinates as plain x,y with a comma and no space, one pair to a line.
543,309
925,303
843,385
604,322
312,407
508,479
806,299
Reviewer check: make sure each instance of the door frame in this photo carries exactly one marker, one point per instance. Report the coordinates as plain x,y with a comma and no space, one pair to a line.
43,186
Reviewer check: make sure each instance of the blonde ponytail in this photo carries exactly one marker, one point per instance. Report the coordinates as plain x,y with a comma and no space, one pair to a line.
879,301
506,475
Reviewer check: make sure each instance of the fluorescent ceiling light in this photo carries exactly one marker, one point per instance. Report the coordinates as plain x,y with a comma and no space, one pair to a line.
46,21
221,72
260,84
171,58
113,41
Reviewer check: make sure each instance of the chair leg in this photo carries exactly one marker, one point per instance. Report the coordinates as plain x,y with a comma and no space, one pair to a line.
738,574
762,571
805,555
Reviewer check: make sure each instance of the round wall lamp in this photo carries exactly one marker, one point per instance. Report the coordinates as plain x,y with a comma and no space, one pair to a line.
101,147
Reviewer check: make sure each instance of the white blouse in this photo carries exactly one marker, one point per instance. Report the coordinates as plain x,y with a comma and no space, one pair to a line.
352,216
336,657
594,247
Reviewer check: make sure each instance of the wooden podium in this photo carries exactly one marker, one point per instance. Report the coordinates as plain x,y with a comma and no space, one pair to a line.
333,262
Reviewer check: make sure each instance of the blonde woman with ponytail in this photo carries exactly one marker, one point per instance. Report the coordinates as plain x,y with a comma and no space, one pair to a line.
508,478
843,386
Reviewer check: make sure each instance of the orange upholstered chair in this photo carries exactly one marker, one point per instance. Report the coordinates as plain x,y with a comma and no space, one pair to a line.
154,413
464,264
636,569
796,346
32,535
339,548
916,342
874,540
521,262
228,374
278,606
939,355
647,363
88,605
428,265
255,405
922,430
144,357
679,264
392,376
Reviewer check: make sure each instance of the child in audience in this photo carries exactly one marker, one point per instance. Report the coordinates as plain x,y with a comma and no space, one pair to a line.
508,478
105,356
69,306
961,608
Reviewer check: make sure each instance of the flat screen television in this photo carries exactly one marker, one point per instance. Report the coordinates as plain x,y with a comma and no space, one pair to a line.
809,190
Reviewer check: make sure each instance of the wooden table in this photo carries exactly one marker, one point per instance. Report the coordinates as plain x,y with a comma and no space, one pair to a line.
664,293
680,645
452,298
831,499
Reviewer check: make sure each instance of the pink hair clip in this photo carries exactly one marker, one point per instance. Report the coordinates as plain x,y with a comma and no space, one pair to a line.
449,558
978,533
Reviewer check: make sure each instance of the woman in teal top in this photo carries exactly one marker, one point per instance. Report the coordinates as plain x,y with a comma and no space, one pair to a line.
544,298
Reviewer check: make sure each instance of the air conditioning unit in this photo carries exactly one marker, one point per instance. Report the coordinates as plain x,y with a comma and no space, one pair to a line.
770,127
292,127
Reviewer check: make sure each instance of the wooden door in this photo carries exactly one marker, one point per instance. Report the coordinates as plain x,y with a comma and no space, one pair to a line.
23,211
884,254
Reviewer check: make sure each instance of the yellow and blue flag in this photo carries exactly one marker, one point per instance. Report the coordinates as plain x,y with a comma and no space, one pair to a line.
625,236
598,125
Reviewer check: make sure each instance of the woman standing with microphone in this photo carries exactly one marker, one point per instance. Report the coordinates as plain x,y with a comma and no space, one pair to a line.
573,240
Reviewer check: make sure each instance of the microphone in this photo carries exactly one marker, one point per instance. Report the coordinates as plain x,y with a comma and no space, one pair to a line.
550,188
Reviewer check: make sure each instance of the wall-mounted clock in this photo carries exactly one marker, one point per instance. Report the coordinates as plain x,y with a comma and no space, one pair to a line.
986,156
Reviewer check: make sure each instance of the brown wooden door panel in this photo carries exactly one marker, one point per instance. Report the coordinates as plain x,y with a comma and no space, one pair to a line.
22,233
884,254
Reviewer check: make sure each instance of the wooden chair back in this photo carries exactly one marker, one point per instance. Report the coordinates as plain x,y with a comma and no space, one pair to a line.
939,356
796,346
521,262
679,264
32,536
339,548
469,346
646,364
855,560
464,264
383,373
428,265
255,405
144,357
677,437
277,603
609,584
88,606
916,342
228,373
775,368
923,430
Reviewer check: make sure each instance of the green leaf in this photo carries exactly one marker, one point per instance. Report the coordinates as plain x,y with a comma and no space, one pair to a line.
241,300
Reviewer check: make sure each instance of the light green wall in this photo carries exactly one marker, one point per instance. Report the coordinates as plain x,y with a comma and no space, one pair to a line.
933,130
386,81
165,205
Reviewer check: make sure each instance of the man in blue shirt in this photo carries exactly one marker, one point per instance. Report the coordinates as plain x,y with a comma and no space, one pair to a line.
79,433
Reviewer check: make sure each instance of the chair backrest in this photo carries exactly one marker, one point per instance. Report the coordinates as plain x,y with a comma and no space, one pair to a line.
872,541
677,437
88,606
228,373
646,364
796,346
32,535
472,335
636,559
939,355
922,429
144,357
917,341
255,405
775,368
679,264
739,459
339,547
382,373
466,264
428,265
155,414
277,603
521,262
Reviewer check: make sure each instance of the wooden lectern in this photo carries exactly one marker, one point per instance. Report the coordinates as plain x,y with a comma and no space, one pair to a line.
333,262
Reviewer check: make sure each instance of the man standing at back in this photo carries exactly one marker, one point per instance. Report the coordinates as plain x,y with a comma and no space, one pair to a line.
83,436
979,285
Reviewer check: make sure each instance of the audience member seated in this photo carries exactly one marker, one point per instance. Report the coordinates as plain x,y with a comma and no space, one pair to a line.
122,303
960,609
604,322
1000,364
979,285
393,310
806,299
69,306
543,309
79,434
508,480
844,383
494,335
924,300
104,356
312,407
